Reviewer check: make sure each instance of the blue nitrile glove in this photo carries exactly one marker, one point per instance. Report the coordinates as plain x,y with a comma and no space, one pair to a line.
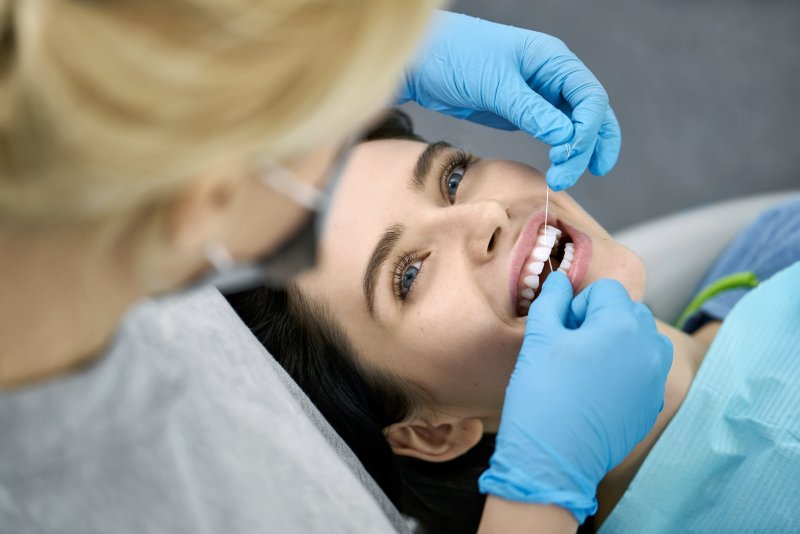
579,399
511,78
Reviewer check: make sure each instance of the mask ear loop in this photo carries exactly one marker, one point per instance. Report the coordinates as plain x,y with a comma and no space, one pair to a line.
283,181
218,256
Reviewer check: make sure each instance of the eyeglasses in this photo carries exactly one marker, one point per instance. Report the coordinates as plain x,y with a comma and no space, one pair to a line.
299,251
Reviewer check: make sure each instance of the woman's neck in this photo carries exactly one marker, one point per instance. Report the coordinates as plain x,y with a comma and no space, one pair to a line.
59,304
689,351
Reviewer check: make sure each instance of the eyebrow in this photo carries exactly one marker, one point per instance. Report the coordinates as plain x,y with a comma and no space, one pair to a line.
380,253
387,242
422,169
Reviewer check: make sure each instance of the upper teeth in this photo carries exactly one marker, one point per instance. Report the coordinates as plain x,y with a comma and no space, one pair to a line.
543,249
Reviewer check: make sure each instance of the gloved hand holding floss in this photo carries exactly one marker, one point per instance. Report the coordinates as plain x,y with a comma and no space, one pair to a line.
510,78
586,388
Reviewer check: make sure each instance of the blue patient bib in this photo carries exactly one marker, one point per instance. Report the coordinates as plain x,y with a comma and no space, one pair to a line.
729,461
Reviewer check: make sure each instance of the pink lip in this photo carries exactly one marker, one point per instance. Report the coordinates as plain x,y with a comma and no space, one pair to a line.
524,245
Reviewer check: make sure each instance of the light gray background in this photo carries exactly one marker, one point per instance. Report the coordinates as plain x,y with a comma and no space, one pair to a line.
706,92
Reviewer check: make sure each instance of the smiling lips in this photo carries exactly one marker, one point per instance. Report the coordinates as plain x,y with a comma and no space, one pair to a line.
542,245
548,252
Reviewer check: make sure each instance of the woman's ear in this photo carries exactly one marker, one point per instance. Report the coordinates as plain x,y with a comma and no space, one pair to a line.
434,439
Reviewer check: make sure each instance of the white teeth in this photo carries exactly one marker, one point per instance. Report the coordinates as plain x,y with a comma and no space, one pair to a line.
546,240
531,281
541,253
527,293
548,237
536,267
569,255
552,230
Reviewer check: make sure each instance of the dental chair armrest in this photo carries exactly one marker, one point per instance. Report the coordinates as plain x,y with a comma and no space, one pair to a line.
679,249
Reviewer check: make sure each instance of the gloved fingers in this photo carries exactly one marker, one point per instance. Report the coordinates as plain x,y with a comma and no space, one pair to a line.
605,294
527,110
644,315
564,175
662,366
648,321
609,142
589,102
551,307
586,95
666,353
580,304
490,119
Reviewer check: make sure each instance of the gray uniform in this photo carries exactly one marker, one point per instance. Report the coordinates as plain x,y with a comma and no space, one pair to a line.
185,425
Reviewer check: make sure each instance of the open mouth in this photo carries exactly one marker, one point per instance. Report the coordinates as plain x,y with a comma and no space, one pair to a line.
553,250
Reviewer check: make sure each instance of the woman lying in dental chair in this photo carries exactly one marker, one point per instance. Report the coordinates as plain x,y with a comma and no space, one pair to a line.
406,334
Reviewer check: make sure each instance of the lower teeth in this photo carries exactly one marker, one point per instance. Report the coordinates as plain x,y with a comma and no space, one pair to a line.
535,269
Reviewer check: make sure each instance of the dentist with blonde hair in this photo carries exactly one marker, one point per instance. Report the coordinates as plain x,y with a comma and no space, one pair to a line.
150,146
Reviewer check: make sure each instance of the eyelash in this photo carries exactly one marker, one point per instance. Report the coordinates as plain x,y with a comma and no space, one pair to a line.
403,262
456,160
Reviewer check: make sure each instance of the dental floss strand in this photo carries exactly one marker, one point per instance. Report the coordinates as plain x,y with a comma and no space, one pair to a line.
547,195
546,206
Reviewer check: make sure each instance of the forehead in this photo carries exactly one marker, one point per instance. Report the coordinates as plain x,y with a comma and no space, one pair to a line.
374,184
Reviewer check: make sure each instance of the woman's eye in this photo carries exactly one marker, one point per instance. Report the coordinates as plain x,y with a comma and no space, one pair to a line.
408,277
453,181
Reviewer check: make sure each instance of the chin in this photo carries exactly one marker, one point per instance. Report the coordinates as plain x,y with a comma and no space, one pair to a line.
634,276
636,290
629,270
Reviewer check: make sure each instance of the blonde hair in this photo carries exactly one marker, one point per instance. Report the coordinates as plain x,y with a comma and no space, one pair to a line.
110,106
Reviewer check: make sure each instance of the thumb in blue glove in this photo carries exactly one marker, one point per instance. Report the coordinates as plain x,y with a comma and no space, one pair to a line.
587,387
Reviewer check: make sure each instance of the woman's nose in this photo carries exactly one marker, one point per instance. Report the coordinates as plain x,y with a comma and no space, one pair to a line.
480,226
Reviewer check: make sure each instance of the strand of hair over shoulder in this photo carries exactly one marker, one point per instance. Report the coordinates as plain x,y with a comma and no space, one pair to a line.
6,20
8,30
7,53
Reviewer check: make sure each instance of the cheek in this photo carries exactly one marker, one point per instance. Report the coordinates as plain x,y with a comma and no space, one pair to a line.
612,260
463,355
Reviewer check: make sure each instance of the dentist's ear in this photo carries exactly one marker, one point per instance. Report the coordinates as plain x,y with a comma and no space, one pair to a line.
177,232
434,439
202,211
